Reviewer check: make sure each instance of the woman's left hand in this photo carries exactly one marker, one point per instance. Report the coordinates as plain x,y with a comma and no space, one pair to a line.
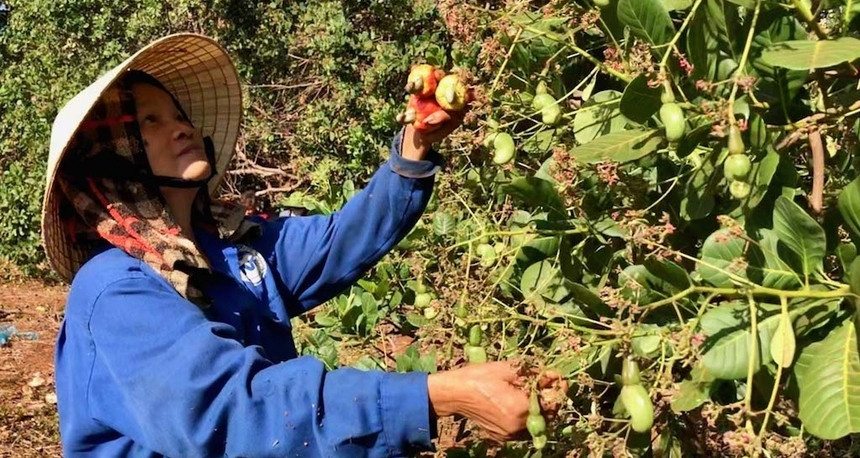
416,143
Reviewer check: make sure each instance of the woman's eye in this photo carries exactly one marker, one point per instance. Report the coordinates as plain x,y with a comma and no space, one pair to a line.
148,119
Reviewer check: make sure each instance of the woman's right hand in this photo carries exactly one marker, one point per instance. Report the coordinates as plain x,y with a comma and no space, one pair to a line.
491,395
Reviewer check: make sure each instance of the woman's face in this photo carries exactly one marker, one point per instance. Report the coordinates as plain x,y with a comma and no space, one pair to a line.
173,146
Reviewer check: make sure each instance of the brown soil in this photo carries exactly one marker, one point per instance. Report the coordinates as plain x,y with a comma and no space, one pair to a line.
28,410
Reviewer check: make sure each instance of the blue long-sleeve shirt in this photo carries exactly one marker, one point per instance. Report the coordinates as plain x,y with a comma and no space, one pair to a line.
142,372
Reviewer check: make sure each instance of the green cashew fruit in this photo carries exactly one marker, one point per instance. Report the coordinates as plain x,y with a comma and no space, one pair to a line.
737,167
475,355
638,404
503,148
740,189
476,335
672,117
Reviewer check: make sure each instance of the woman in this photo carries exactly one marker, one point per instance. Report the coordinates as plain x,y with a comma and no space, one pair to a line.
177,340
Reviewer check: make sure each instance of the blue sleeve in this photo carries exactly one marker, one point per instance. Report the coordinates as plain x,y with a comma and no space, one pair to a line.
317,257
182,385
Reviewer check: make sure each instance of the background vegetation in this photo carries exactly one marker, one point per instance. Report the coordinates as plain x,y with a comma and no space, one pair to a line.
618,234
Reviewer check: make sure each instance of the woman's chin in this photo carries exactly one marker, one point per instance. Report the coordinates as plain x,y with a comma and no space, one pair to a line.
198,170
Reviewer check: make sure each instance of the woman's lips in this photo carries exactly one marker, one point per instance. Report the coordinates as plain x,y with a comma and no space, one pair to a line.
189,149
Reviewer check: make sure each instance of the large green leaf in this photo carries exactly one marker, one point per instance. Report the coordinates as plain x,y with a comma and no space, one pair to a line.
806,55
624,146
849,206
828,380
724,24
800,233
763,172
647,19
777,86
539,281
640,101
702,48
727,347
598,116
720,255
766,267
538,249
673,276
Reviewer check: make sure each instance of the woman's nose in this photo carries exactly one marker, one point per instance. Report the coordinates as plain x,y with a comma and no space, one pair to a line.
182,129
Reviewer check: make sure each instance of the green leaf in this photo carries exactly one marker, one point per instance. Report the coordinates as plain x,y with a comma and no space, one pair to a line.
702,48
587,300
698,200
828,381
727,348
673,276
854,276
763,172
538,249
642,286
849,206
647,19
674,5
538,280
646,340
846,253
766,267
782,345
538,193
640,101
598,116
443,223
719,254
325,320
724,24
621,147
540,143
807,55
800,233
689,396
417,320
692,139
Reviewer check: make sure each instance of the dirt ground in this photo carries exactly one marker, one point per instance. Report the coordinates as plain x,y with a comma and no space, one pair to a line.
28,409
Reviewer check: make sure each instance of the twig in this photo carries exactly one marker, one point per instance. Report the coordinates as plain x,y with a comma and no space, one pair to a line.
253,169
742,64
753,351
290,188
817,197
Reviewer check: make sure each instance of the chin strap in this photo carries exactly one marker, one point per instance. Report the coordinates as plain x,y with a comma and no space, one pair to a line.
172,182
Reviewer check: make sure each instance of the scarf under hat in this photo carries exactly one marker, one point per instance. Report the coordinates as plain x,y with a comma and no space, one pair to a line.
104,180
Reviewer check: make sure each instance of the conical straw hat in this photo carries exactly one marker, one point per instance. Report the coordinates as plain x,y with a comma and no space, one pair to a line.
200,75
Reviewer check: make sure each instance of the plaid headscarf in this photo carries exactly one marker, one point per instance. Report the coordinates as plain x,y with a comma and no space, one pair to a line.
107,180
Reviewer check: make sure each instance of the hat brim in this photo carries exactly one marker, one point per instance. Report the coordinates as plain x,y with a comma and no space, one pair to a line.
198,72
